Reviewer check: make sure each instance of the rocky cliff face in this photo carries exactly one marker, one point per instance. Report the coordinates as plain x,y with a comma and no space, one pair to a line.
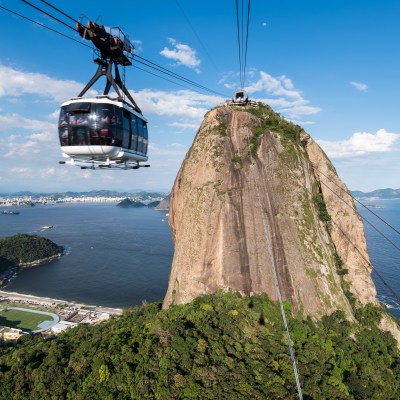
255,194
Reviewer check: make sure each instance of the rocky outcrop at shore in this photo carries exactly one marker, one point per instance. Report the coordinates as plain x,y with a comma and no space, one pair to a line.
164,204
254,196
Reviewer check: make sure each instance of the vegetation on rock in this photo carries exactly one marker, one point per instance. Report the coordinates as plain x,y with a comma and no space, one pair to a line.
219,346
23,248
130,203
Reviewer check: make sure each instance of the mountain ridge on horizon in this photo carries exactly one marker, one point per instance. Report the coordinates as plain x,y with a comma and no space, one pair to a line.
386,193
101,192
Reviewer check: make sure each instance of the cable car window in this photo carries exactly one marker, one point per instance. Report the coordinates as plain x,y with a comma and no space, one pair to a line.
145,137
140,138
126,129
103,132
63,127
79,107
134,127
78,129
116,122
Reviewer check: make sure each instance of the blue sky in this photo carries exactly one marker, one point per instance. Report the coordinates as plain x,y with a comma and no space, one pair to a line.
330,66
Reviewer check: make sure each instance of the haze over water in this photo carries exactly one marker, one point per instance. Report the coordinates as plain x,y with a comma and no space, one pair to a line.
118,257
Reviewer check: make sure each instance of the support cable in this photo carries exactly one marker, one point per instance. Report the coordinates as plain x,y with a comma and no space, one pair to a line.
247,41
363,205
365,219
195,33
368,262
57,9
44,26
173,74
153,65
165,79
241,38
276,280
49,15
278,291
238,38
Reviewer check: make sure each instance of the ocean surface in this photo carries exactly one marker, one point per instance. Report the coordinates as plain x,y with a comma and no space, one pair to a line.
116,257
120,257
384,248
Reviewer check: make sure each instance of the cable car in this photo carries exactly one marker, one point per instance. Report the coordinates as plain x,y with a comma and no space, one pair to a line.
104,132
240,98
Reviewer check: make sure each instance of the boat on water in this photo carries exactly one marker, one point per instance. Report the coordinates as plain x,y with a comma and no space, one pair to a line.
10,212
46,227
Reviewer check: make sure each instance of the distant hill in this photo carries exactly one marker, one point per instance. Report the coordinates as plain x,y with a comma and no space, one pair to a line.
128,203
144,195
164,203
379,193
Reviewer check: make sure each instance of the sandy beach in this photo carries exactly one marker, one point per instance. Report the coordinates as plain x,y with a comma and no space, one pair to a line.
48,302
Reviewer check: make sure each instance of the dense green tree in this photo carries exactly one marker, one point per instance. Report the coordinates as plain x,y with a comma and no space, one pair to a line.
25,248
219,346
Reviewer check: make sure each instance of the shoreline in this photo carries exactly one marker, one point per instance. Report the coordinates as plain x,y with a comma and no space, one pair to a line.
42,260
47,301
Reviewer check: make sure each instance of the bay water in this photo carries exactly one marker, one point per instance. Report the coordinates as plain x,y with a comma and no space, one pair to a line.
120,257
116,257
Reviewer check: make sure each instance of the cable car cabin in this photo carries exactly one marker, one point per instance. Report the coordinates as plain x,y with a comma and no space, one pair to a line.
102,132
240,98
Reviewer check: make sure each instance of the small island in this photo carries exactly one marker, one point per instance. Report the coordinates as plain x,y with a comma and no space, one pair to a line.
25,250
128,203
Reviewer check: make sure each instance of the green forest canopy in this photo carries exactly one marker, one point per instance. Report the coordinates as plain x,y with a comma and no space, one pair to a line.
219,346
23,248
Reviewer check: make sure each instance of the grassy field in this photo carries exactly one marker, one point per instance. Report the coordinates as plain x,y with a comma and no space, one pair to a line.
22,319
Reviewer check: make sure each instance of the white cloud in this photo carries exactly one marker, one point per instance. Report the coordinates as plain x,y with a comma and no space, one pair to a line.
284,97
26,138
360,144
264,24
21,171
138,45
182,103
183,54
12,121
362,87
16,83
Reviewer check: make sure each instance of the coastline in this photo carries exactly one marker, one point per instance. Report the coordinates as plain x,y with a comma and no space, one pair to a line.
51,303
42,260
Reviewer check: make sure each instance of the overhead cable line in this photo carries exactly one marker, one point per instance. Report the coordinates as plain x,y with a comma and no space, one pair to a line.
365,219
165,79
158,67
239,41
242,41
49,15
368,262
247,41
271,256
363,205
195,33
44,26
61,12
175,75
153,65
242,27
